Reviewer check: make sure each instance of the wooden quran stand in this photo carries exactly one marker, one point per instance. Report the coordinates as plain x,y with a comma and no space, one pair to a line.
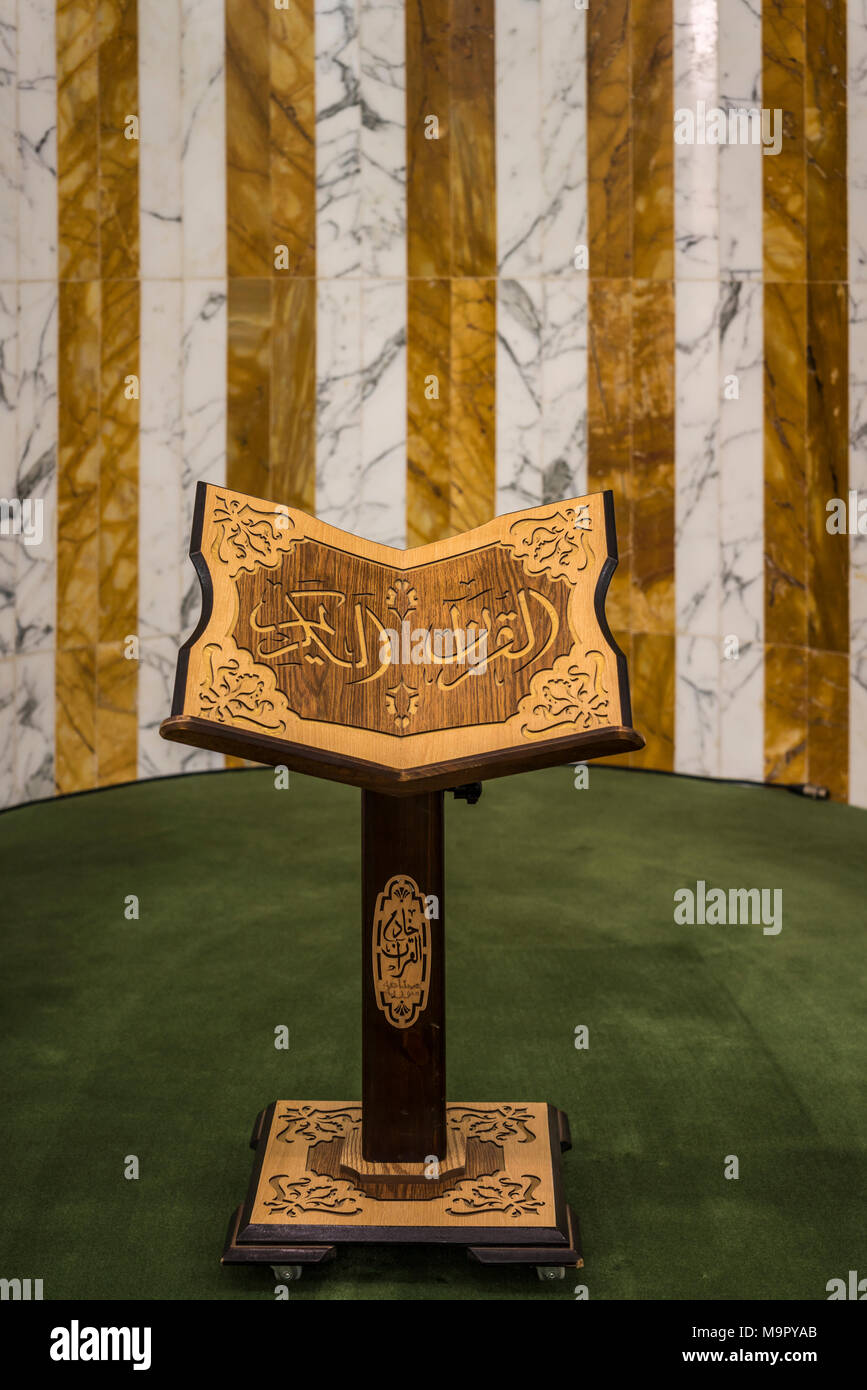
405,673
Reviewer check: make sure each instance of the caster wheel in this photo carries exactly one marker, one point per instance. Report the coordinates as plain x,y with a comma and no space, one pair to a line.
286,1274
551,1271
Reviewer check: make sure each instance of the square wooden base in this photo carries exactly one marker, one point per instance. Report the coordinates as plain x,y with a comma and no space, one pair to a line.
497,1190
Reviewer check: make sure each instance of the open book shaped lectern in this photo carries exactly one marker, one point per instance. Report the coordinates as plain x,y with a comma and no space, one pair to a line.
405,673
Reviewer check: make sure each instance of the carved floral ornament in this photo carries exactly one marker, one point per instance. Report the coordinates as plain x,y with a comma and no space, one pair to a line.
569,698
249,537
556,545
234,689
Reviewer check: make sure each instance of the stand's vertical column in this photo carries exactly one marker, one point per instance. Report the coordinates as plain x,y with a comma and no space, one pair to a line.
403,975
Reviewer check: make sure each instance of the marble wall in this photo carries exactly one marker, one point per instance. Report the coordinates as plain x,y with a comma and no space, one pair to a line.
412,266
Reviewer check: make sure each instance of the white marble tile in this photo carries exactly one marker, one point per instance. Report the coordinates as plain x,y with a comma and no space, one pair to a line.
37,124
564,137
36,461
160,458
34,703
856,110
696,167
160,128
338,139
8,733
156,678
203,124
338,401
697,536
379,505
10,173
741,523
697,706
858,546
382,138
742,714
518,96
8,470
564,389
203,421
520,320
740,165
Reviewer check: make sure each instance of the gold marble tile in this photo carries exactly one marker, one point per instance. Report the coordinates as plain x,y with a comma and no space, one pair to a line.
293,393
249,242
293,135
609,423
118,472
428,450
784,175
825,140
828,731
651,477
116,724
248,386
428,216
785,713
785,495
651,31
472,422
118,151
78,463
472,139
75,720
609,139
827,465
651,657
77,50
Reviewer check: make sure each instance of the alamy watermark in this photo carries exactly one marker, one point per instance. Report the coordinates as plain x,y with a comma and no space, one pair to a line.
739,125
22,517
737,907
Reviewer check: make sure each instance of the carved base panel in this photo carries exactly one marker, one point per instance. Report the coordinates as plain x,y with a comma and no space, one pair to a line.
496,1190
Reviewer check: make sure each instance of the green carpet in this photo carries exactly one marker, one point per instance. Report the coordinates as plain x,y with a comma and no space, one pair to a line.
156,1037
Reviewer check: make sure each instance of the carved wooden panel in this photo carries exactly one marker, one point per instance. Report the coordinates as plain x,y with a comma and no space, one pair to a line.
481,654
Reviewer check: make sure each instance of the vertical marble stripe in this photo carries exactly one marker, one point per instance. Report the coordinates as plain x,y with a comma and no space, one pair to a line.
339,395
37,141
160,144
9,793
472,139
293,137
563,405
77,532
203,140
380,504
293,393
118,149
609,419
827,395
696,166
858,481
741,525
520,318
338,139
78,139
473,419
519,150
10,163
609,143
428,266
249,385
160,459
8,466
36,460
784,175
248,142
428,234
697,568
651,34
740,164
382,138
428,474
564,143
651,481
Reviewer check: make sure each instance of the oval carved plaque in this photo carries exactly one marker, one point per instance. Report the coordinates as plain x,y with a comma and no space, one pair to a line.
401,951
